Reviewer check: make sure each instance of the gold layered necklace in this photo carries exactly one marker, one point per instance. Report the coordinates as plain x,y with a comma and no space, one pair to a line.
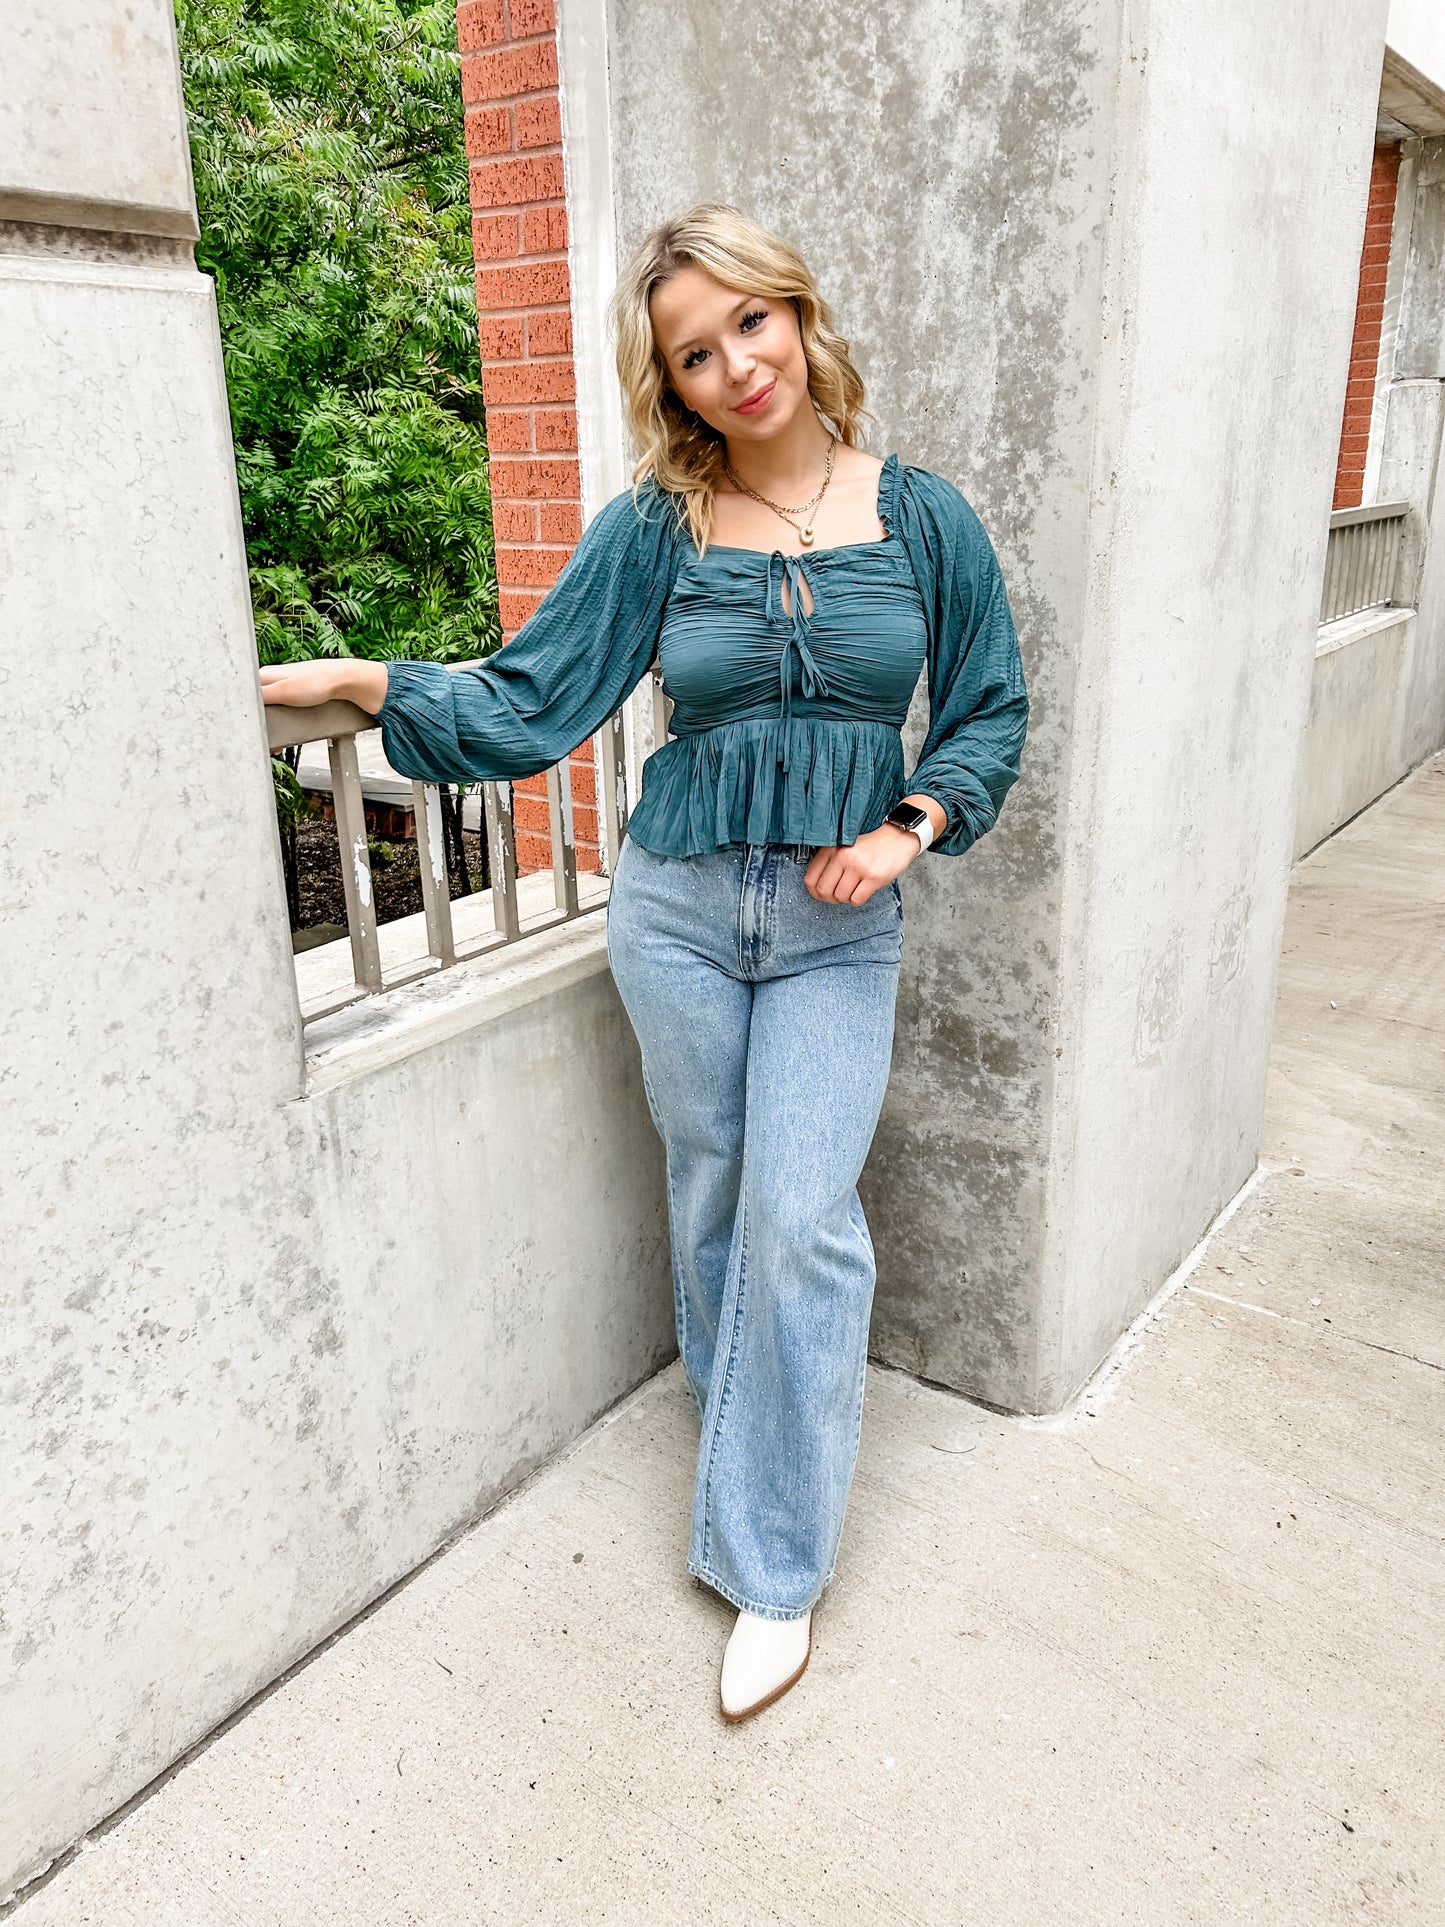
805,529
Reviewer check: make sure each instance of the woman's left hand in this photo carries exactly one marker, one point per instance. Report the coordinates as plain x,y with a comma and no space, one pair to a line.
851,872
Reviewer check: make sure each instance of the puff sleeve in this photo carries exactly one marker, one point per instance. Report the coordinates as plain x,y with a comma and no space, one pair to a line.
573,662
979,705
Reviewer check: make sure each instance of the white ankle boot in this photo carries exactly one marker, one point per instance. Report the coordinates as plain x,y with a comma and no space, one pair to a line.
764,1657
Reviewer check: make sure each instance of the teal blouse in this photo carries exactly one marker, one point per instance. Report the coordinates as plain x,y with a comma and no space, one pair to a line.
787,718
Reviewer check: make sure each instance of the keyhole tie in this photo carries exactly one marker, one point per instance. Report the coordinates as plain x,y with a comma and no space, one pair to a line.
796,640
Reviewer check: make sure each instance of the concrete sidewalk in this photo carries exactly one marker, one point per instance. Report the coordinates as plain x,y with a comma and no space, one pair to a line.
1173,1658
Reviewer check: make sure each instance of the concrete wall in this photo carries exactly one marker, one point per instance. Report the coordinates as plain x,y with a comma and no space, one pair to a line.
1377,705
961,256
1357,720
1414,439
1416,31
269,1337
1075,248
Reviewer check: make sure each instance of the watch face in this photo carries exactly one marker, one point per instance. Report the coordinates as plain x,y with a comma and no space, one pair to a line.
909,817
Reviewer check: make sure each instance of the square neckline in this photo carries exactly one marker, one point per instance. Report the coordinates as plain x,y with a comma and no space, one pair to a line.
834,548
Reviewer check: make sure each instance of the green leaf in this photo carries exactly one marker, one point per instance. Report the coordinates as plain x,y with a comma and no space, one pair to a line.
331,181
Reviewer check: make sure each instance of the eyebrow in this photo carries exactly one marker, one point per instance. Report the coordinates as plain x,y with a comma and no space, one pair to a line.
681,347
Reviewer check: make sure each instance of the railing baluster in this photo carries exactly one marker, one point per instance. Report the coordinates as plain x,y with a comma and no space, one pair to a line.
355,861
1362,560
431,863
502,851
564,847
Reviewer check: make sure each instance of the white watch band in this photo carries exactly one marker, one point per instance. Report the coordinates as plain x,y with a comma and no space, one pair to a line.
925,835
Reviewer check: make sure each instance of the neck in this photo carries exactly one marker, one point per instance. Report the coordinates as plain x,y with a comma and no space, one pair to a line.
788,465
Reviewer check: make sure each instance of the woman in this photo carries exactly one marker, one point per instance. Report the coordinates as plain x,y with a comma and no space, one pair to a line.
793,588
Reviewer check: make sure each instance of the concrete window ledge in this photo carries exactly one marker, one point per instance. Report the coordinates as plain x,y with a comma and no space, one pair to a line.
1339,635
383,1030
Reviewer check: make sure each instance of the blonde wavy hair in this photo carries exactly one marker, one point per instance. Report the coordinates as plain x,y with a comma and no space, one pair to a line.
675,445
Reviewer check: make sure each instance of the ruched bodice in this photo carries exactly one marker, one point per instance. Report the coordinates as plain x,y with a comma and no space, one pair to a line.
790,677
730,650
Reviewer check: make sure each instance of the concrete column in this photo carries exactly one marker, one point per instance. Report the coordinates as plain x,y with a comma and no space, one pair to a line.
269,1337
1098,264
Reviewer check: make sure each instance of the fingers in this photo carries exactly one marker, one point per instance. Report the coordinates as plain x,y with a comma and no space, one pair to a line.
832,876
290,691
298,685
837,875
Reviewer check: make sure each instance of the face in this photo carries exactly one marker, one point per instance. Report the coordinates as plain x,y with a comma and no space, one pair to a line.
735,359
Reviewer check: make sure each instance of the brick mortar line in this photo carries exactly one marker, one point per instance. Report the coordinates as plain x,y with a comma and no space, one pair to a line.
511,100
511,40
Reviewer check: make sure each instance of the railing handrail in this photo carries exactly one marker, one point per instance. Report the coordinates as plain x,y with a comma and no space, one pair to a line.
1375,512
288,728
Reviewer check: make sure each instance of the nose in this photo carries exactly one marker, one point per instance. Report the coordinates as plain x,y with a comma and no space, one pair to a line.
740,363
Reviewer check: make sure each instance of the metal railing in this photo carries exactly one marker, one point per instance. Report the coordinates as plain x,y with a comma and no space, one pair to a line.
338,725
1362,560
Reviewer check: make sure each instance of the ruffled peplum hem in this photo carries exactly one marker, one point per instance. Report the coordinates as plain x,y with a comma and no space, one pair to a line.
728,784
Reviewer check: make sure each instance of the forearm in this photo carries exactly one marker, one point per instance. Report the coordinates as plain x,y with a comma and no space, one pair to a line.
325,679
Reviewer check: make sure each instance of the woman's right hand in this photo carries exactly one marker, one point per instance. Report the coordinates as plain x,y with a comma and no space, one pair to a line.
325,679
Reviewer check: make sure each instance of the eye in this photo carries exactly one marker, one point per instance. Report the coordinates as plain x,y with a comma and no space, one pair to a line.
693,357
753,315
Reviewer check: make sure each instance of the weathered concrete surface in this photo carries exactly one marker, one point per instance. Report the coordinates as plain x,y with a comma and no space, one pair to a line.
1076,248
265,1344
1417,31
946,171
1377,700
1356,720
91,127
1412,451
1168,1661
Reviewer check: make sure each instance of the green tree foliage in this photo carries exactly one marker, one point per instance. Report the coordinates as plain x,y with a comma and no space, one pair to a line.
326,137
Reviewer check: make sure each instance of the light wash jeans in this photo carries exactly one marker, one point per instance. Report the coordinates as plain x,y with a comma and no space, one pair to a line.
765,1023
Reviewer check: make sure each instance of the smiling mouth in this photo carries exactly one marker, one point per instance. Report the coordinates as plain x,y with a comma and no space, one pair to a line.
750,404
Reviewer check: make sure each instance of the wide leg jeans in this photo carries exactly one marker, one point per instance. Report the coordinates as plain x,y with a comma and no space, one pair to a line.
764,1020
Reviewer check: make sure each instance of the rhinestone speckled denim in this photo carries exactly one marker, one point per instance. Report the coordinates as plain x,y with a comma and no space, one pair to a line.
765,1023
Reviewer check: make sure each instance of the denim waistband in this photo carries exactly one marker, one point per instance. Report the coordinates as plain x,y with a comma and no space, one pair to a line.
802,852
722,852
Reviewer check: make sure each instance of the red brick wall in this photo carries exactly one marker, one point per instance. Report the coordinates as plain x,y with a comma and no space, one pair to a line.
524,306
1369,319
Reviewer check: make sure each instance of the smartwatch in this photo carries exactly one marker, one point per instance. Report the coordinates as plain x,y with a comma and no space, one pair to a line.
908,816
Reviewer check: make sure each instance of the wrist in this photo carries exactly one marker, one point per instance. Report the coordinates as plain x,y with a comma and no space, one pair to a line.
935,811
919,817
366,685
